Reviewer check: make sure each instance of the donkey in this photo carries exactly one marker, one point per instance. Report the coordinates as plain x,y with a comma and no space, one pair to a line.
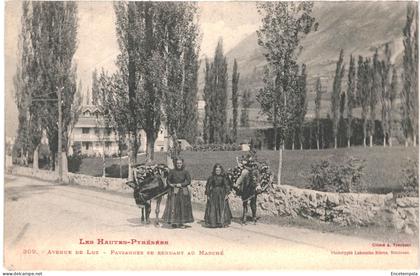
147,189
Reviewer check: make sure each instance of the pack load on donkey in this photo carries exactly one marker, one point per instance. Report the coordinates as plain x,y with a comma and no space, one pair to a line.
148,183
250,178
260,171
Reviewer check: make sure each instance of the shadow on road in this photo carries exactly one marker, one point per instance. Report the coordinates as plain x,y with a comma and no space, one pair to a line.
20,192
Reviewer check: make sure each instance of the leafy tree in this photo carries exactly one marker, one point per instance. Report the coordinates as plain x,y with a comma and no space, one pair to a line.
208,124
113,104
392,96
189,120
134,28
351,86
336,96
362,91
235,81
284,24
375,88
385,95
215,92
302,104
318,98
53,40
409,93
178,30
95,88
25,83
246,104
157,66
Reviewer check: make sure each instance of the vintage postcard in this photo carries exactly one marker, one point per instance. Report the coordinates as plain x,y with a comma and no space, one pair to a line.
228,135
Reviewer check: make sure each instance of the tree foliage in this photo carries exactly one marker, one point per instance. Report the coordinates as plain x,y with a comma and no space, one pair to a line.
409,93
318,98
235,82
284,24
49,41
215,93
246,104
337,104
351,97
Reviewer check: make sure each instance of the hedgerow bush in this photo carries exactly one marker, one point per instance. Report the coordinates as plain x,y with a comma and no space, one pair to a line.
114,171
342,177
410,179
74,162
215,147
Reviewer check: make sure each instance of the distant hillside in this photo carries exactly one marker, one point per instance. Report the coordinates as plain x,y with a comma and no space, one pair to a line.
357,27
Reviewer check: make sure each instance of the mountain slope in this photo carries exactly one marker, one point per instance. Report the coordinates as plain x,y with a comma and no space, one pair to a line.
357,27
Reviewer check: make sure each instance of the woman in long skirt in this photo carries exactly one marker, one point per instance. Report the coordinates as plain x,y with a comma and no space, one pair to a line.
217,213
178,209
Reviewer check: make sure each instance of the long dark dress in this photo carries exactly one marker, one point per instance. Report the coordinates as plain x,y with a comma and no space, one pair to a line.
178,209
218,212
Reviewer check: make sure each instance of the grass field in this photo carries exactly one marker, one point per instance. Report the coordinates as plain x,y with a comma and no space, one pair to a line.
382,172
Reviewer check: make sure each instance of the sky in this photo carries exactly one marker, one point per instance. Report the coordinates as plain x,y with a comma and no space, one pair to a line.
97,44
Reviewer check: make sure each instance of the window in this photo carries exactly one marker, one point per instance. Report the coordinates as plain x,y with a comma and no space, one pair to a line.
108,144
108,131
97,131
85,130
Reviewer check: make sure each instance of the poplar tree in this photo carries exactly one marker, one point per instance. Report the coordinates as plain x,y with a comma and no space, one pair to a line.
284,25
362,92
351,86
318,98
215,93
54,42
385,95
409,93
336,95
235,82
246,104
375,88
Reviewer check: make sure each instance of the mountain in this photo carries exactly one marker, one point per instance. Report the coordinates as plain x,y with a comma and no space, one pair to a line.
356,27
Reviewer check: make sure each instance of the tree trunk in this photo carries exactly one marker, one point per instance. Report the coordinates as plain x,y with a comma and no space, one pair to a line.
348,142
275,138
103,159
293,145
390,141
64,165
414,140
317,143
150,148
36,157
364,133
52,161
335,142
132,155
121,167
280,165
370,140
384,141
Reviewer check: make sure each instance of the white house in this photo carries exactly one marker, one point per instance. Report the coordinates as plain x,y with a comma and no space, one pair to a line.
96,139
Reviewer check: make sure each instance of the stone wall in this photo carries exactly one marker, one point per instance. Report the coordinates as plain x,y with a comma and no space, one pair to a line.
344,209
108,183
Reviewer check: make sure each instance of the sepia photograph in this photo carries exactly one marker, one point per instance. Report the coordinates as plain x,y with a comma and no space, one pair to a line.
210,136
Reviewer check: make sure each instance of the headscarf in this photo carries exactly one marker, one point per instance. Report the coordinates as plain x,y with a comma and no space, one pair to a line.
176,167
218,165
